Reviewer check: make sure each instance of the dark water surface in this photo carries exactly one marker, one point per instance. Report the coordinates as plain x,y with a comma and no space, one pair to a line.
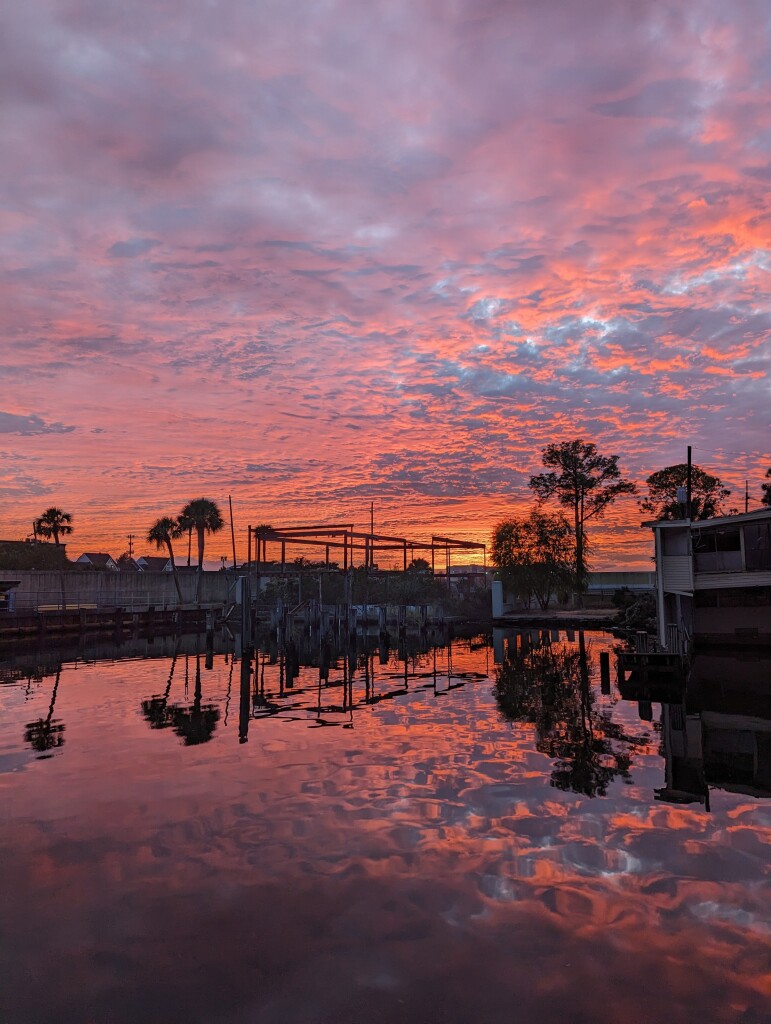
441,840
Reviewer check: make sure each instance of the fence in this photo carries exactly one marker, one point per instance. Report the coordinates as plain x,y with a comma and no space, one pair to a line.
135,591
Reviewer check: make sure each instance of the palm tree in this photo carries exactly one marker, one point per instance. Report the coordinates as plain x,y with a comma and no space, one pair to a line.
161,533
206,518
186,526
54,523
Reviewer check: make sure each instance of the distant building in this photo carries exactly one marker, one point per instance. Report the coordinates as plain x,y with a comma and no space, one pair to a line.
154,563
713,578
128,564
600,591
97,560
30,554
7,594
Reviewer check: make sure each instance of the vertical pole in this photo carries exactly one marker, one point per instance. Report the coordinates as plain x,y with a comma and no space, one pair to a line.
746,495
433,567
345,551
249,548
372,517
688,486
232,530
327,555
405,556
447,555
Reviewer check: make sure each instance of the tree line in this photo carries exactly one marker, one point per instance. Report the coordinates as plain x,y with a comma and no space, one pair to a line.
546,553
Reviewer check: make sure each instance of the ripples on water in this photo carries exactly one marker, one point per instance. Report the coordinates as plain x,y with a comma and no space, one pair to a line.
436,839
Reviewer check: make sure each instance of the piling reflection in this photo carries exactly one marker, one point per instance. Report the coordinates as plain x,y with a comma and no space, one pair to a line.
547,684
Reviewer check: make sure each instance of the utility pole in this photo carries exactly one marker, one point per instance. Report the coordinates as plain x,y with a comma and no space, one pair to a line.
688,486
372,532
232,530
746,495
131,545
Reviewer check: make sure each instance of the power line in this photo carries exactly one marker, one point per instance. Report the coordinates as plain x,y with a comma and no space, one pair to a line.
725,451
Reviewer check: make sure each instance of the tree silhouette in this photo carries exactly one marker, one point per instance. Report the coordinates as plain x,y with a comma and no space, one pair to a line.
766,489
161,533
46,734
583,481
54,523
534,555
708,493
205,517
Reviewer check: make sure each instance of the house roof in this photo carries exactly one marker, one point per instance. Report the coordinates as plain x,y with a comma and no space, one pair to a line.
98,558
738,518
154,563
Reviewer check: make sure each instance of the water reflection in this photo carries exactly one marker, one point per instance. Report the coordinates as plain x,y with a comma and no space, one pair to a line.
381,834
547,684
194,723
46,734
715,727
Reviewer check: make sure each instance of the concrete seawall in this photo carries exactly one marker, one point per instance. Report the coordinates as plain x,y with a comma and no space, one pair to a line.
132,591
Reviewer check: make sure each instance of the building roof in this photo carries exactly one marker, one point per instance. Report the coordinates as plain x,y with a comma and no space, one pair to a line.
737,518
97,558
155,563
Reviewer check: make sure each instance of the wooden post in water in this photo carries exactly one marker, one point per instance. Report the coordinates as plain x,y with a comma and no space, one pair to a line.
605,672
245,697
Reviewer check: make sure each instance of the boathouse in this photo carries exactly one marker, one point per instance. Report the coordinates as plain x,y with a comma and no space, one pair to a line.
713,578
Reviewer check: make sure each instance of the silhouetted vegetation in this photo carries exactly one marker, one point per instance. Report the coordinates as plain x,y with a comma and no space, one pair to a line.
587,483
534,556
161,533
635,611
54,523
203,516
708,494
28,555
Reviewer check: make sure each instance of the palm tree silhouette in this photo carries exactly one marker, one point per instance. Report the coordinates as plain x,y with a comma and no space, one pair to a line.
161,533
205,517
54,523
186,526
45,734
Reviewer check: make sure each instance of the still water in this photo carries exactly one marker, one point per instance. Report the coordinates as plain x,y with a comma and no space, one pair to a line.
437,837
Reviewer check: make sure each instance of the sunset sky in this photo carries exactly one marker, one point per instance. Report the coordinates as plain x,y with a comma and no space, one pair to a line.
316,254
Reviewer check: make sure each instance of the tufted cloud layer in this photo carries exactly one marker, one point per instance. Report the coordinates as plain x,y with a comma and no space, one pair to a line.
313,254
